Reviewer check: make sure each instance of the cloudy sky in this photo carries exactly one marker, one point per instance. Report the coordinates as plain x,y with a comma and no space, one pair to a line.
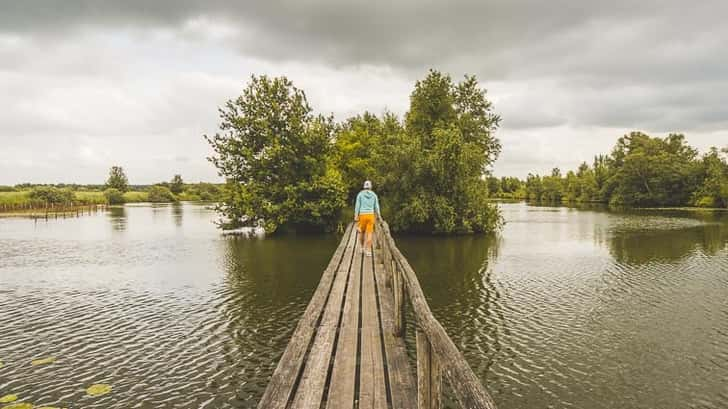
86,84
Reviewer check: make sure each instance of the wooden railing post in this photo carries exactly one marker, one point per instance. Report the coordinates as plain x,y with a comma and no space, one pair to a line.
398,291
429,379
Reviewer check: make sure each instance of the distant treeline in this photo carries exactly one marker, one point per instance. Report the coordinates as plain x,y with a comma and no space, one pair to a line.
641,171
116,190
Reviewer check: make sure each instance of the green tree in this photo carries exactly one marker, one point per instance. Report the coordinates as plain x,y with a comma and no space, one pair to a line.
51,195
177,184
713,192
446,150
356,151
652,171
160,194
117,179
114,196
275,155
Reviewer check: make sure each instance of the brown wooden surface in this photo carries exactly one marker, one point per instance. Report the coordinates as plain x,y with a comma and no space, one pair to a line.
311,388
281,385
372,388
402,383
348,348
343,353
341,390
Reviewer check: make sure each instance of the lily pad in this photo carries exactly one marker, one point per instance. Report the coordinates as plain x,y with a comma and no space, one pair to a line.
19,406
8,398
1,363
98,389
44,361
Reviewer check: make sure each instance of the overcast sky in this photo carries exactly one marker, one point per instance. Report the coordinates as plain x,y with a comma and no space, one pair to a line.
88,84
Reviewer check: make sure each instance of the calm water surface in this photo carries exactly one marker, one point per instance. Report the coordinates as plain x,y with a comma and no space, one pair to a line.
565,308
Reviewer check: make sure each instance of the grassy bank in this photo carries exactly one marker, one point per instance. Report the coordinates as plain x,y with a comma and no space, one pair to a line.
12,201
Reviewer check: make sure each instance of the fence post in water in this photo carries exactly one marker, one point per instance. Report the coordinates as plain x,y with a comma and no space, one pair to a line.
429,379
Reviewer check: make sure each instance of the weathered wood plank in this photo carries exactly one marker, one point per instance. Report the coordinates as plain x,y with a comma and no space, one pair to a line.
280,386
343,379
372,387
311,388
401,381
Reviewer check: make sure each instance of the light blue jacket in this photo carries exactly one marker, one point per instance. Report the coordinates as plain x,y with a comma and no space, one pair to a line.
367,202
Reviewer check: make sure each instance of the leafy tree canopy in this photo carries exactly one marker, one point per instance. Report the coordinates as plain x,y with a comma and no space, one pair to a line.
177,184
274,153
286,167
117,179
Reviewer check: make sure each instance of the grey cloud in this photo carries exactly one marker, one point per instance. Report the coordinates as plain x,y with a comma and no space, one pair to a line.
655,64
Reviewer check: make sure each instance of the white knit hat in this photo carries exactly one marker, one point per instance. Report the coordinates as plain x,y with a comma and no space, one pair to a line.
368,184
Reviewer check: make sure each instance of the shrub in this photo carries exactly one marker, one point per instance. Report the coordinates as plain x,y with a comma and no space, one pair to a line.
51,195
114,196
161,194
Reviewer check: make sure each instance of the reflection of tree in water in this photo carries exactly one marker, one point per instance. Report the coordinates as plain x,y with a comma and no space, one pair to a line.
457,277
267,284
177,214
643,246
117,218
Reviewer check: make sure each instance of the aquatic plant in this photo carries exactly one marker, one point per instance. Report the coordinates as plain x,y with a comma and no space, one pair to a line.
8,398
43,361
98,389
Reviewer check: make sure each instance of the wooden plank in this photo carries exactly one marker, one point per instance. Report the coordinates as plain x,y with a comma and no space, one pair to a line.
280,386
372,387
311,388
343,378
401,381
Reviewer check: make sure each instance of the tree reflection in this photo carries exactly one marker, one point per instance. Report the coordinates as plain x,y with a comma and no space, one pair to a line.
643,246
457,278
177,214
117,218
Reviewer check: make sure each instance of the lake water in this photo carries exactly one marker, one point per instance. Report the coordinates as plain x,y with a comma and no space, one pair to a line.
564,308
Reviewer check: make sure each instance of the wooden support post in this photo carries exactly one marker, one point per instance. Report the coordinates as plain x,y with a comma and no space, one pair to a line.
398,291
429,379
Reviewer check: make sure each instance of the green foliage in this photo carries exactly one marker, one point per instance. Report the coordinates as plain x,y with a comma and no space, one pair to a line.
286,167
8,398
652,171
641,171
357,153
275,155
177,184
434,168
135,197
207,192
117,179
51,195
114,196
90,197
160,194
43,361
713,192
98,389
14,198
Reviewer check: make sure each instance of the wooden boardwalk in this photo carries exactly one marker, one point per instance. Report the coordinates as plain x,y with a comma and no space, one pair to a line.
348,349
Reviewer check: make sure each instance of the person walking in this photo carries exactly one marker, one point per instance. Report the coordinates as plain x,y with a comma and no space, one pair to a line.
366,211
